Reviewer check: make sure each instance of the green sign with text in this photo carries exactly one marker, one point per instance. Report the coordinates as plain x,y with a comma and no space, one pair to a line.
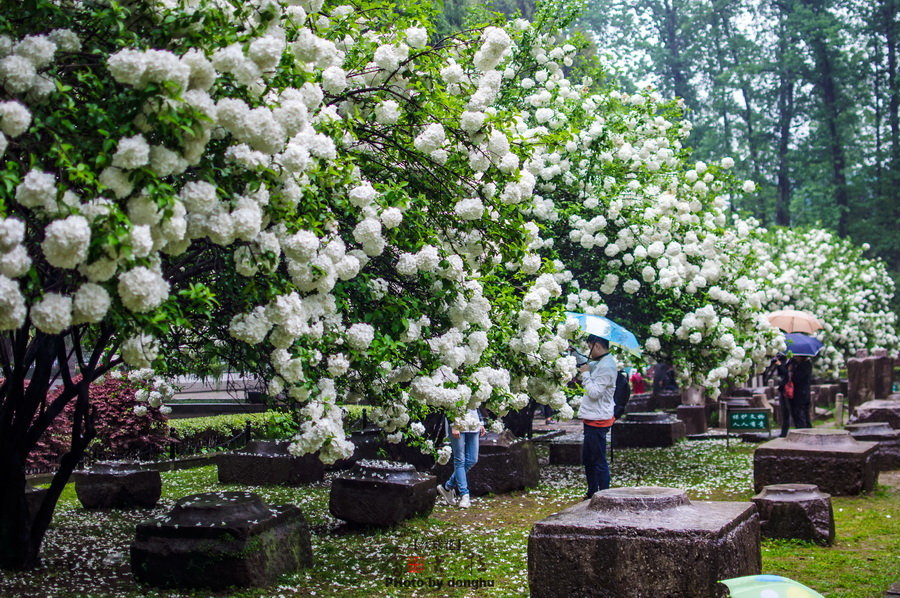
748,419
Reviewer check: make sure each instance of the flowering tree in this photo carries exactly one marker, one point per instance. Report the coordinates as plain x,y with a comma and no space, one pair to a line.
817,271
638,232
321,194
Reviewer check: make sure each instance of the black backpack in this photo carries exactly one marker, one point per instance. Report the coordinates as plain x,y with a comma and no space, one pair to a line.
621,394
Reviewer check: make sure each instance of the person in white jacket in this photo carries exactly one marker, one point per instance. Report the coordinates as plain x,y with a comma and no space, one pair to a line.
598,377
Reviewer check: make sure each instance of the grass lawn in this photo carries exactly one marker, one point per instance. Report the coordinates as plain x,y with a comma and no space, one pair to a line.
476,552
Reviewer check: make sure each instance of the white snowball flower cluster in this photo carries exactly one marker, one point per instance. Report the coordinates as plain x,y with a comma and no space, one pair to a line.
495,43
53,313
142,289
66,242
12,304
360,336
90,304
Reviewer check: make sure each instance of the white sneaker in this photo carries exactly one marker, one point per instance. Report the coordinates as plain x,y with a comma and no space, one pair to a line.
464,502
448,495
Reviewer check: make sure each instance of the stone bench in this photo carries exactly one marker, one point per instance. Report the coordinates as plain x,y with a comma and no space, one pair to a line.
114,485
505,463
797,511
887,456
221,539
266,462
637,542
382,493
652,429
830,459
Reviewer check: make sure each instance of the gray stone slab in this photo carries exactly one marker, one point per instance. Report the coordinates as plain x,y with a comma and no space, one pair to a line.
117,486
505,464
653,429
887,456
695,418
882,410
566,450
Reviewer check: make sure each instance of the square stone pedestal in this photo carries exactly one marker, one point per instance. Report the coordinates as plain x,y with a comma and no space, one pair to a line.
266,462
115,485
505,463
566,450
695,418
652,429
795,511
884,410
887,456
642,542
221,539
382,493
830,459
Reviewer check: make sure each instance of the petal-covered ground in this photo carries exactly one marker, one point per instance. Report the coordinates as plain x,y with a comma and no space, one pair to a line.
480,551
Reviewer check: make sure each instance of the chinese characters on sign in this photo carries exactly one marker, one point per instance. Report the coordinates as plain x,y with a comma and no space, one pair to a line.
748,419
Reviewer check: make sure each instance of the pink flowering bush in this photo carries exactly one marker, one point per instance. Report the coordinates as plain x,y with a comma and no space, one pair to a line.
121,433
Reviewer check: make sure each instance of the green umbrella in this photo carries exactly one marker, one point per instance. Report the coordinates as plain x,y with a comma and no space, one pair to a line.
768,586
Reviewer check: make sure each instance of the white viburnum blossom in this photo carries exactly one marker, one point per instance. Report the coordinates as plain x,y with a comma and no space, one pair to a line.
142,290
360,336
15,118
131,153
90,304
140,350
66,242
52,314
12,305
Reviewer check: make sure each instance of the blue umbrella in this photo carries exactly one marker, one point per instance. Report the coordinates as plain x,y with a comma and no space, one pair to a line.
606,328
801,344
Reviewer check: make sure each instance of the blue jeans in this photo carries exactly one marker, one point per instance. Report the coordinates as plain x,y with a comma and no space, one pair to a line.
593,456
465,455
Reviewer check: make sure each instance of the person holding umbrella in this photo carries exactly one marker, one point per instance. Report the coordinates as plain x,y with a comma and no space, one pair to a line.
598,377
796,379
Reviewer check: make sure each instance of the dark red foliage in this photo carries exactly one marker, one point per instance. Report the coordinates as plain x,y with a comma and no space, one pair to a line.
120,432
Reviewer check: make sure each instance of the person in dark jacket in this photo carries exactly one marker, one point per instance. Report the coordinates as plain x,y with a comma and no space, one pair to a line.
800,368
798,371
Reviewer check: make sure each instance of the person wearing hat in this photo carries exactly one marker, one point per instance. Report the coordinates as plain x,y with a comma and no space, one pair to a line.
598,377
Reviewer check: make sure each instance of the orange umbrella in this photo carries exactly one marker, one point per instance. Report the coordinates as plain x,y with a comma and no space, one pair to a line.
792,320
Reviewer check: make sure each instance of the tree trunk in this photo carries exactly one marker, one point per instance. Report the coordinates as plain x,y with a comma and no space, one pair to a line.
785,117
667,23
15,522
825,80
25,415
890,46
